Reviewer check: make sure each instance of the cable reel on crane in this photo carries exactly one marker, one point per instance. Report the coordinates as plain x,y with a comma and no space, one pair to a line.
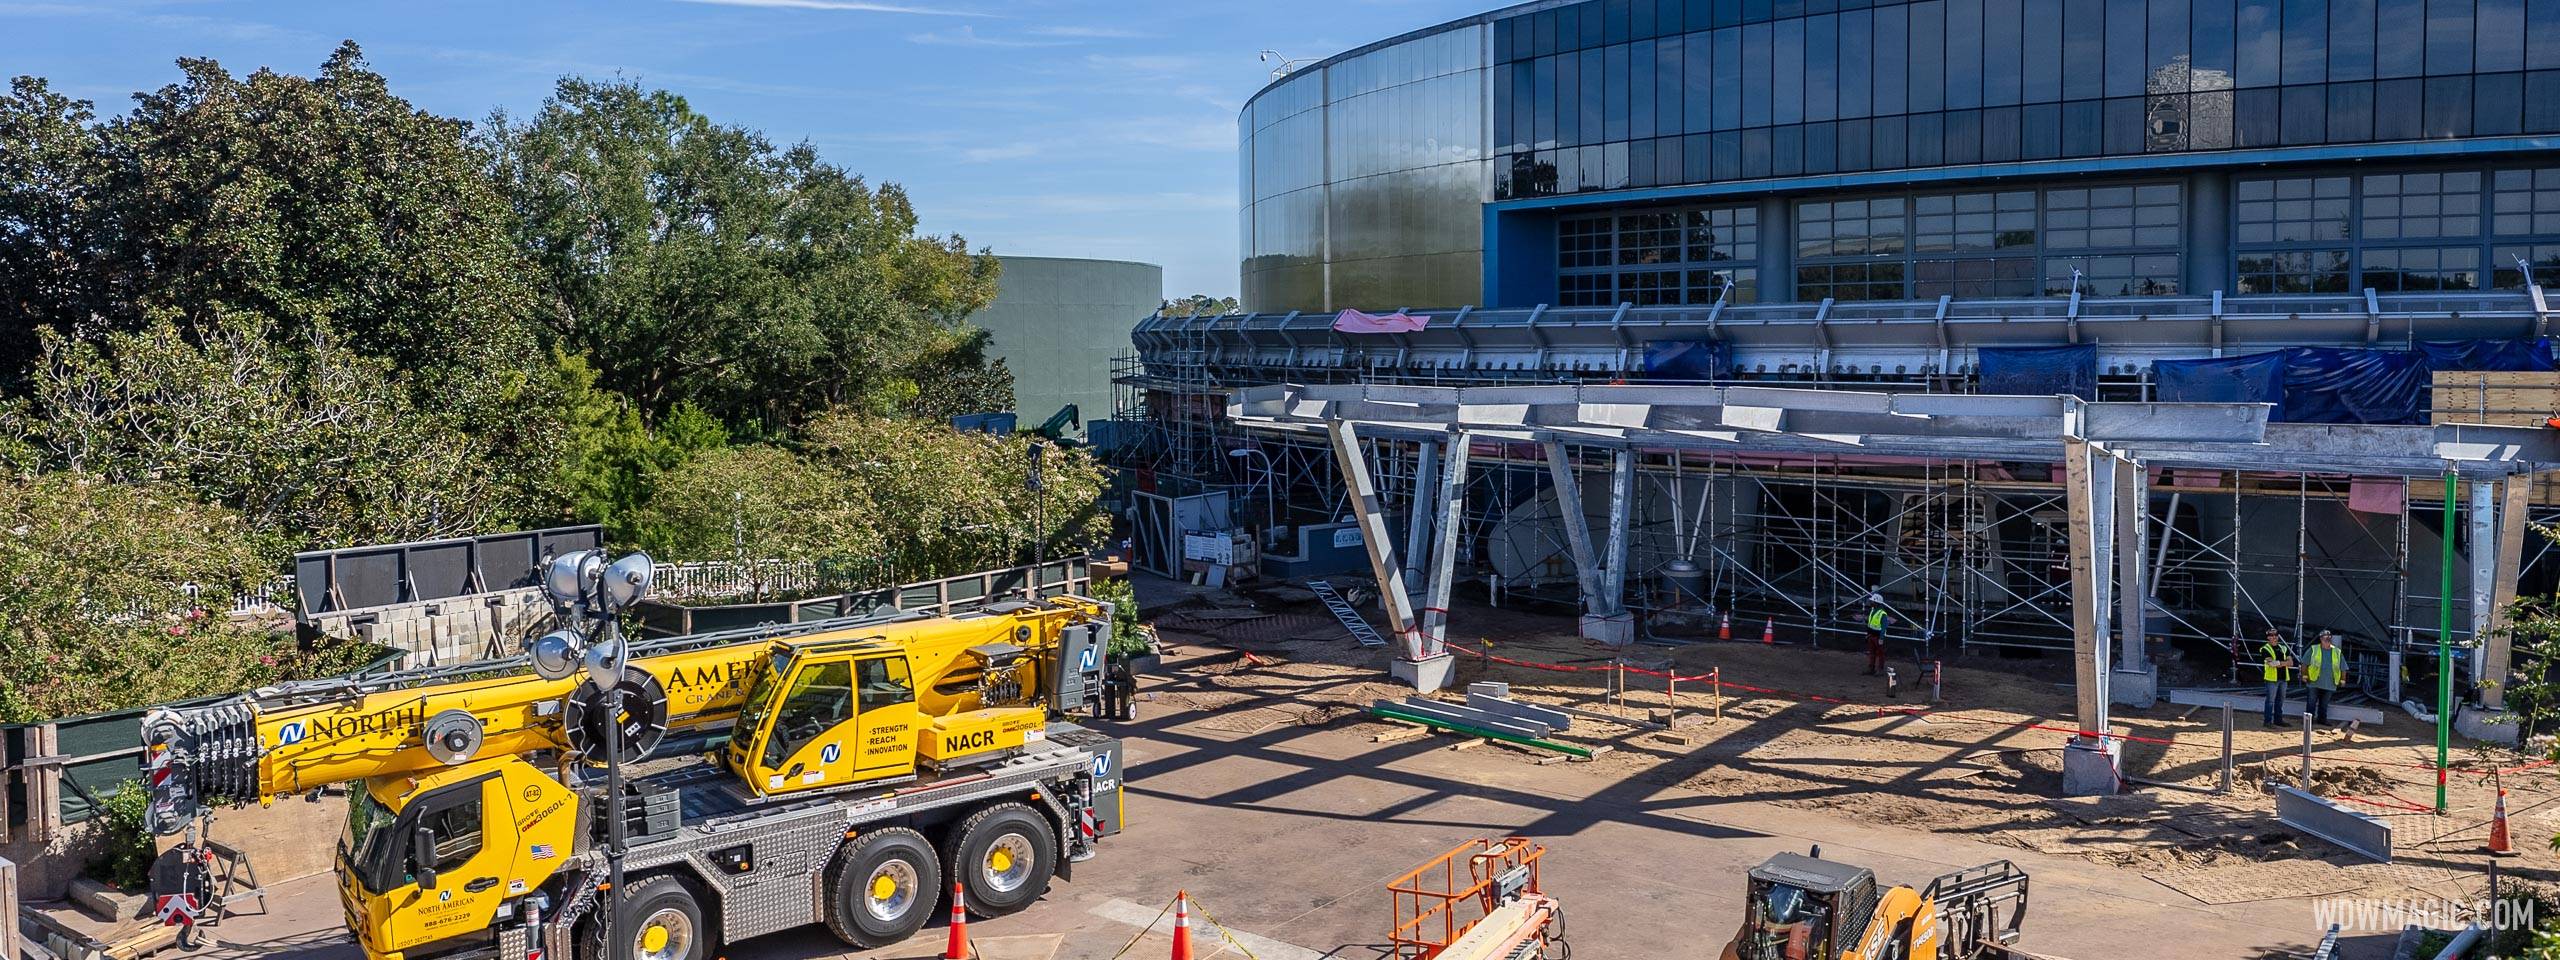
644,717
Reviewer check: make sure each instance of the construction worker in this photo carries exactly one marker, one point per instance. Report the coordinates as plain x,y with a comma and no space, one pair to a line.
2274,663
1876,617
2321,670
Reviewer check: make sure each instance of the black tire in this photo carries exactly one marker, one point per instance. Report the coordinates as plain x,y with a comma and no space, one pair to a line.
662,907
1003,857
905,861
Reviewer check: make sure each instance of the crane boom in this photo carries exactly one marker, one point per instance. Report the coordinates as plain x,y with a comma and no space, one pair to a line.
280,741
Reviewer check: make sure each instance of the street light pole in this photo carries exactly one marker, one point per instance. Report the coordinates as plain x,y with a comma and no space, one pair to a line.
2444,643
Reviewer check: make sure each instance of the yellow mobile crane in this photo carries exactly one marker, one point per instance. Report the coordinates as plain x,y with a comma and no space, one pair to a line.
868,763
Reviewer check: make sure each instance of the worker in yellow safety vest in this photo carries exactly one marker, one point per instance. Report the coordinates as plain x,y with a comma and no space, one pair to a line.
1876,617
2274,663
2322,668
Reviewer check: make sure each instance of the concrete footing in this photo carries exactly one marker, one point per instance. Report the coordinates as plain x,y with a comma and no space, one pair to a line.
1616,630
2480,723
2136,688
2092,769
1428,674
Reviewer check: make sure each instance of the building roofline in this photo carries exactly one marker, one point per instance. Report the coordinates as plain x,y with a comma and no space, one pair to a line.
1501,13
1026,256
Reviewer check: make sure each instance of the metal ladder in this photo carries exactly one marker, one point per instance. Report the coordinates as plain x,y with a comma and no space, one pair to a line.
1351,619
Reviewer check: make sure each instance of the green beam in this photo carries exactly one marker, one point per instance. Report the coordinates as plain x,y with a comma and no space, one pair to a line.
1567,749
2444,642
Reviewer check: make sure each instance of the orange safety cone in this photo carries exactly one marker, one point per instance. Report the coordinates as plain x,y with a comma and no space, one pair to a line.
1724,627
1182,926
958,947
2498,843
1769,631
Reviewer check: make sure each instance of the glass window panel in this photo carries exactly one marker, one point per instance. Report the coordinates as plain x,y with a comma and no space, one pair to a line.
2126,51
1697,77
2448,107
2306,117
1964,54
1755,153
2260,45
2210,34
2165,70
2421,269
2000,134
1889,145
2084,48
1669,62
1786,84
2125,125
2083,128
2040,78
2350,112
2253,117
1928,65
1856,149
2306,41
1786,151
2400,39
2497,104
2542,34
1756,82
2449,37
1594,90
1893,61
1822,67
1857,62
2350,39
2293,271
2003,47
1613,107
1641,85
1728,87
2209,120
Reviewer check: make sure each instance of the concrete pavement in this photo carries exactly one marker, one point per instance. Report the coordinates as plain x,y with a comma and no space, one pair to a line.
1288,836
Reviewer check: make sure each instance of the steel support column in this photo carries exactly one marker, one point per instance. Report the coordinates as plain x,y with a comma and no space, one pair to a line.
1370,514
2090,764
1577,526
2484,573
1610,623
1418,512
1444,553
2495,645
2132,509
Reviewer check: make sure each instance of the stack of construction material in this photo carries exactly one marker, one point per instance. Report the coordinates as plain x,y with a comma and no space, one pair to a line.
1490,713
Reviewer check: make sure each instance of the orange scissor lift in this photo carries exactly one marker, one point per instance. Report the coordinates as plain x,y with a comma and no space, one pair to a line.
1479,901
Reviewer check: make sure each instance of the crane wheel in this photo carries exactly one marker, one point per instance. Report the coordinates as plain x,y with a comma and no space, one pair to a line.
662,921
1003,856
883,888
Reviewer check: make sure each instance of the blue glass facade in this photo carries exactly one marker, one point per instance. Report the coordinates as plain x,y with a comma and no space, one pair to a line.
1887,150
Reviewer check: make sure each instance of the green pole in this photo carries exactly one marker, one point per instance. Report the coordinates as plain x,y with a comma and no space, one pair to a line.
2444,643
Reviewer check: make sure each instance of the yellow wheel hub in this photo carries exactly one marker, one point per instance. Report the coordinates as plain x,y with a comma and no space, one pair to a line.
883,888
999,861
653,939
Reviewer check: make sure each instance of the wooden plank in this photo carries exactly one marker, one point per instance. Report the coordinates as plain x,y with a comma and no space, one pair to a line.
8,910
44,787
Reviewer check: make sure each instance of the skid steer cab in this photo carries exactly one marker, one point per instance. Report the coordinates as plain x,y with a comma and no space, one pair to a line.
1808,908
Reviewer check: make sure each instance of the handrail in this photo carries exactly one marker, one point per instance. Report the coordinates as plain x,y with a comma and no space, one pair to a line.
1427,912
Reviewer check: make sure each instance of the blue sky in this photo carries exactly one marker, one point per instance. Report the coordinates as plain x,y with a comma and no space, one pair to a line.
1096,128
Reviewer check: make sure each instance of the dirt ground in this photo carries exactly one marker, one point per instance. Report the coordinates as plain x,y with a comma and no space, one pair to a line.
1985,763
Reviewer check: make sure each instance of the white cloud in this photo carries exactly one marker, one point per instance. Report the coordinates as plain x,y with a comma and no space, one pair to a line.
1091,33
859,6
967,36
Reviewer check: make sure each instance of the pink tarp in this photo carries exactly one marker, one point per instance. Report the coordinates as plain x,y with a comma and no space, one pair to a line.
2384,496
1353,321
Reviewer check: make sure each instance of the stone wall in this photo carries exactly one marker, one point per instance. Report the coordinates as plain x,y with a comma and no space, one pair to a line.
453,630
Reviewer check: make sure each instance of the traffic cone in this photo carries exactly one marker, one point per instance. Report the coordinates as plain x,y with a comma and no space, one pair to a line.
1182,926
1724,628
1769,631
958,947
2498,826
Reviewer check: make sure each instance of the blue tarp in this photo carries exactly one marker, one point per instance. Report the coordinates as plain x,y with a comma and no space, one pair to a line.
2323,385
2041,371
1689,359
2523,354
2257,378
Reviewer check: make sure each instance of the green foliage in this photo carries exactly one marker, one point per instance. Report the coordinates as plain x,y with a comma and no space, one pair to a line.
949,502
1199,303
94,617
611,459
310,442
130,848
700,262
762,503
1126,640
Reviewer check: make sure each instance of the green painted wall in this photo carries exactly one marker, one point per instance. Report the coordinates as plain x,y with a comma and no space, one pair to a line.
1058,322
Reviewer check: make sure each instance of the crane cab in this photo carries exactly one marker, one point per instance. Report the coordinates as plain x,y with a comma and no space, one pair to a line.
830,712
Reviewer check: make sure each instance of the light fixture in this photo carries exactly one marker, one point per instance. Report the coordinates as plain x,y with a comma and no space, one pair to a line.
569,575
604,662
628,580
555,654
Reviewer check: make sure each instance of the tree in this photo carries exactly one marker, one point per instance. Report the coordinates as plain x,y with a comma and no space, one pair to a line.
754,505
950,502
96,614
696,261
310,442
612,458
1199,303
319,202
